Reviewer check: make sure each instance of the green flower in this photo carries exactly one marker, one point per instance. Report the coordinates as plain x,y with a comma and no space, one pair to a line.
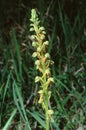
50,112
47,55
31,29
37,79
37,62
34,54
41,28
40,91
34,44
50,79
46,43
47,72
38,49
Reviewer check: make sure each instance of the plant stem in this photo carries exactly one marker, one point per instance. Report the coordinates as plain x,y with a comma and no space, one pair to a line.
46,100
47,117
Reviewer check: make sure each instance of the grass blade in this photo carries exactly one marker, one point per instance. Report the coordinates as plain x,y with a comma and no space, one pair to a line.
17,52
19,103
36,116
10,119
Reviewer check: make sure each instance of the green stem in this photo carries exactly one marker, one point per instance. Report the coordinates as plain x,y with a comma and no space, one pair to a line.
46,100
46,112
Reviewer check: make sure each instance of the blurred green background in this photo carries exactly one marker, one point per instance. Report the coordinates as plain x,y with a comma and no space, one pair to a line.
65,25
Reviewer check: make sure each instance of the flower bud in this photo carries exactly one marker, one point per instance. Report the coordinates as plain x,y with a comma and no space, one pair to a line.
33,15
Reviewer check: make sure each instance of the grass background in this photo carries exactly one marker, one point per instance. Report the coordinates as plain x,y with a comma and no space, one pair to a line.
65,24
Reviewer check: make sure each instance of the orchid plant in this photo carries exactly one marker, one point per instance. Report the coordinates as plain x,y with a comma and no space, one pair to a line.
43,62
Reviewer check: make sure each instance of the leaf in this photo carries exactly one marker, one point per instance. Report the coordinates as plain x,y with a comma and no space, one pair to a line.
36,116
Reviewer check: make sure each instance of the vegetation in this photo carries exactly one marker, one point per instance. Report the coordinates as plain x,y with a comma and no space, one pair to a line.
66,32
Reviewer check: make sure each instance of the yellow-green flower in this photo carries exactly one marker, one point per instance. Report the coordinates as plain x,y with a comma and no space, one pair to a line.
34,54
37,62
50,112
37,79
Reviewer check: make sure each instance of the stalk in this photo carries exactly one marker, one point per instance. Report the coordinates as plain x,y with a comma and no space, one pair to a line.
47,116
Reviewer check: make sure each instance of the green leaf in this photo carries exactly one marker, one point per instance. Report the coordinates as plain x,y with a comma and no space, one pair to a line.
10,119
37,116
